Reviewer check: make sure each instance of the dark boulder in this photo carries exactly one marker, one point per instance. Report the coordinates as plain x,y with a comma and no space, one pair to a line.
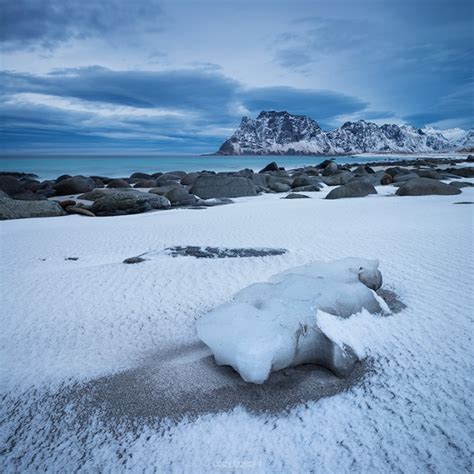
360,171
386,179
210,186
246,173
67,203
461,184
338,179
279,184
162,190
17,209
270,167
29,184
393,171
350,190
463,172
402,177
180,174
189,179
431,174
166,178
330,169
424,187
311,171
10,185
141,176
118,183
167,182
180,196
324,163
304,180
260,179
100,181
74,185
145,183
47,192
121,203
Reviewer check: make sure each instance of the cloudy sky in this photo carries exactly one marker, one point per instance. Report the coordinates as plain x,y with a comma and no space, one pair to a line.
176,76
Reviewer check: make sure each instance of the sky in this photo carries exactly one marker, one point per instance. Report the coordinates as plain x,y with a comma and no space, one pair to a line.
176,76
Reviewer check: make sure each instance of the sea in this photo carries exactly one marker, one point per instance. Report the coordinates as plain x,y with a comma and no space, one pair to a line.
50,167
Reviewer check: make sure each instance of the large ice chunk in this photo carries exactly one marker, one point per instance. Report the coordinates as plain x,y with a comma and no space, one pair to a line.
270,326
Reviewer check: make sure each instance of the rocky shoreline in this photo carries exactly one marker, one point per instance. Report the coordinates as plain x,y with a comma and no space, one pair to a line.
23,195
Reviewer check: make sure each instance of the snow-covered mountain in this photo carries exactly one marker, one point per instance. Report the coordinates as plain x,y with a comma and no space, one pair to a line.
278,133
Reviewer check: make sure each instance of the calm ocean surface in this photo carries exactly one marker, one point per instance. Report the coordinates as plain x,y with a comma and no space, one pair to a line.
122,166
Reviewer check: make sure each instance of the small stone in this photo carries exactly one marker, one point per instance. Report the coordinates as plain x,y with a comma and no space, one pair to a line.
133,260
67,203
386,179
296,196
79,210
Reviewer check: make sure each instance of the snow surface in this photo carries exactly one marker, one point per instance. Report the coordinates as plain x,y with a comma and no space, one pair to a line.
272,326
65,322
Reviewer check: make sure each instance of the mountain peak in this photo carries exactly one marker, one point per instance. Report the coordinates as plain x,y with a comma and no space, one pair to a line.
272,113
280,132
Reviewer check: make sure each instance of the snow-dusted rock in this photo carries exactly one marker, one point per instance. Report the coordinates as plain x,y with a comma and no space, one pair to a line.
353,189
282,133
270,326
426,186
19,209
216,186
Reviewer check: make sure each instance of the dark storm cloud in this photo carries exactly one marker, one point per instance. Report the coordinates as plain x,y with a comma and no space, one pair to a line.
185,89
46,23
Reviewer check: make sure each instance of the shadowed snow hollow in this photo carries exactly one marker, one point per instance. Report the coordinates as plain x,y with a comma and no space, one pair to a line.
270,326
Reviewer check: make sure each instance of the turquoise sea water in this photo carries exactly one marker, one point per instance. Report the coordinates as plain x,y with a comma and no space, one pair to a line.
122,166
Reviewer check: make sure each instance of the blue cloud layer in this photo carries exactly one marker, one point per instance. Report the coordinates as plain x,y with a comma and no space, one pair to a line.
196,106
407,60
48,23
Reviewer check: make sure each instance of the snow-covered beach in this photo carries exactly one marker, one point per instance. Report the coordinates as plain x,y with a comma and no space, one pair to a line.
74,316
236,237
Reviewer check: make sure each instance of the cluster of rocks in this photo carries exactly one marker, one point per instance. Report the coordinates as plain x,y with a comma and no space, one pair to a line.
23,195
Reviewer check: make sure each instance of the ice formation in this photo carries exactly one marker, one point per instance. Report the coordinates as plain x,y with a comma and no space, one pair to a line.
274,325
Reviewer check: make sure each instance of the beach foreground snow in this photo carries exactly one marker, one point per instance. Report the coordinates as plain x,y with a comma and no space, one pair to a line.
73,315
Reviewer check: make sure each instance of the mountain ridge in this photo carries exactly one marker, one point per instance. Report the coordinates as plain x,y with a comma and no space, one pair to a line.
283,133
